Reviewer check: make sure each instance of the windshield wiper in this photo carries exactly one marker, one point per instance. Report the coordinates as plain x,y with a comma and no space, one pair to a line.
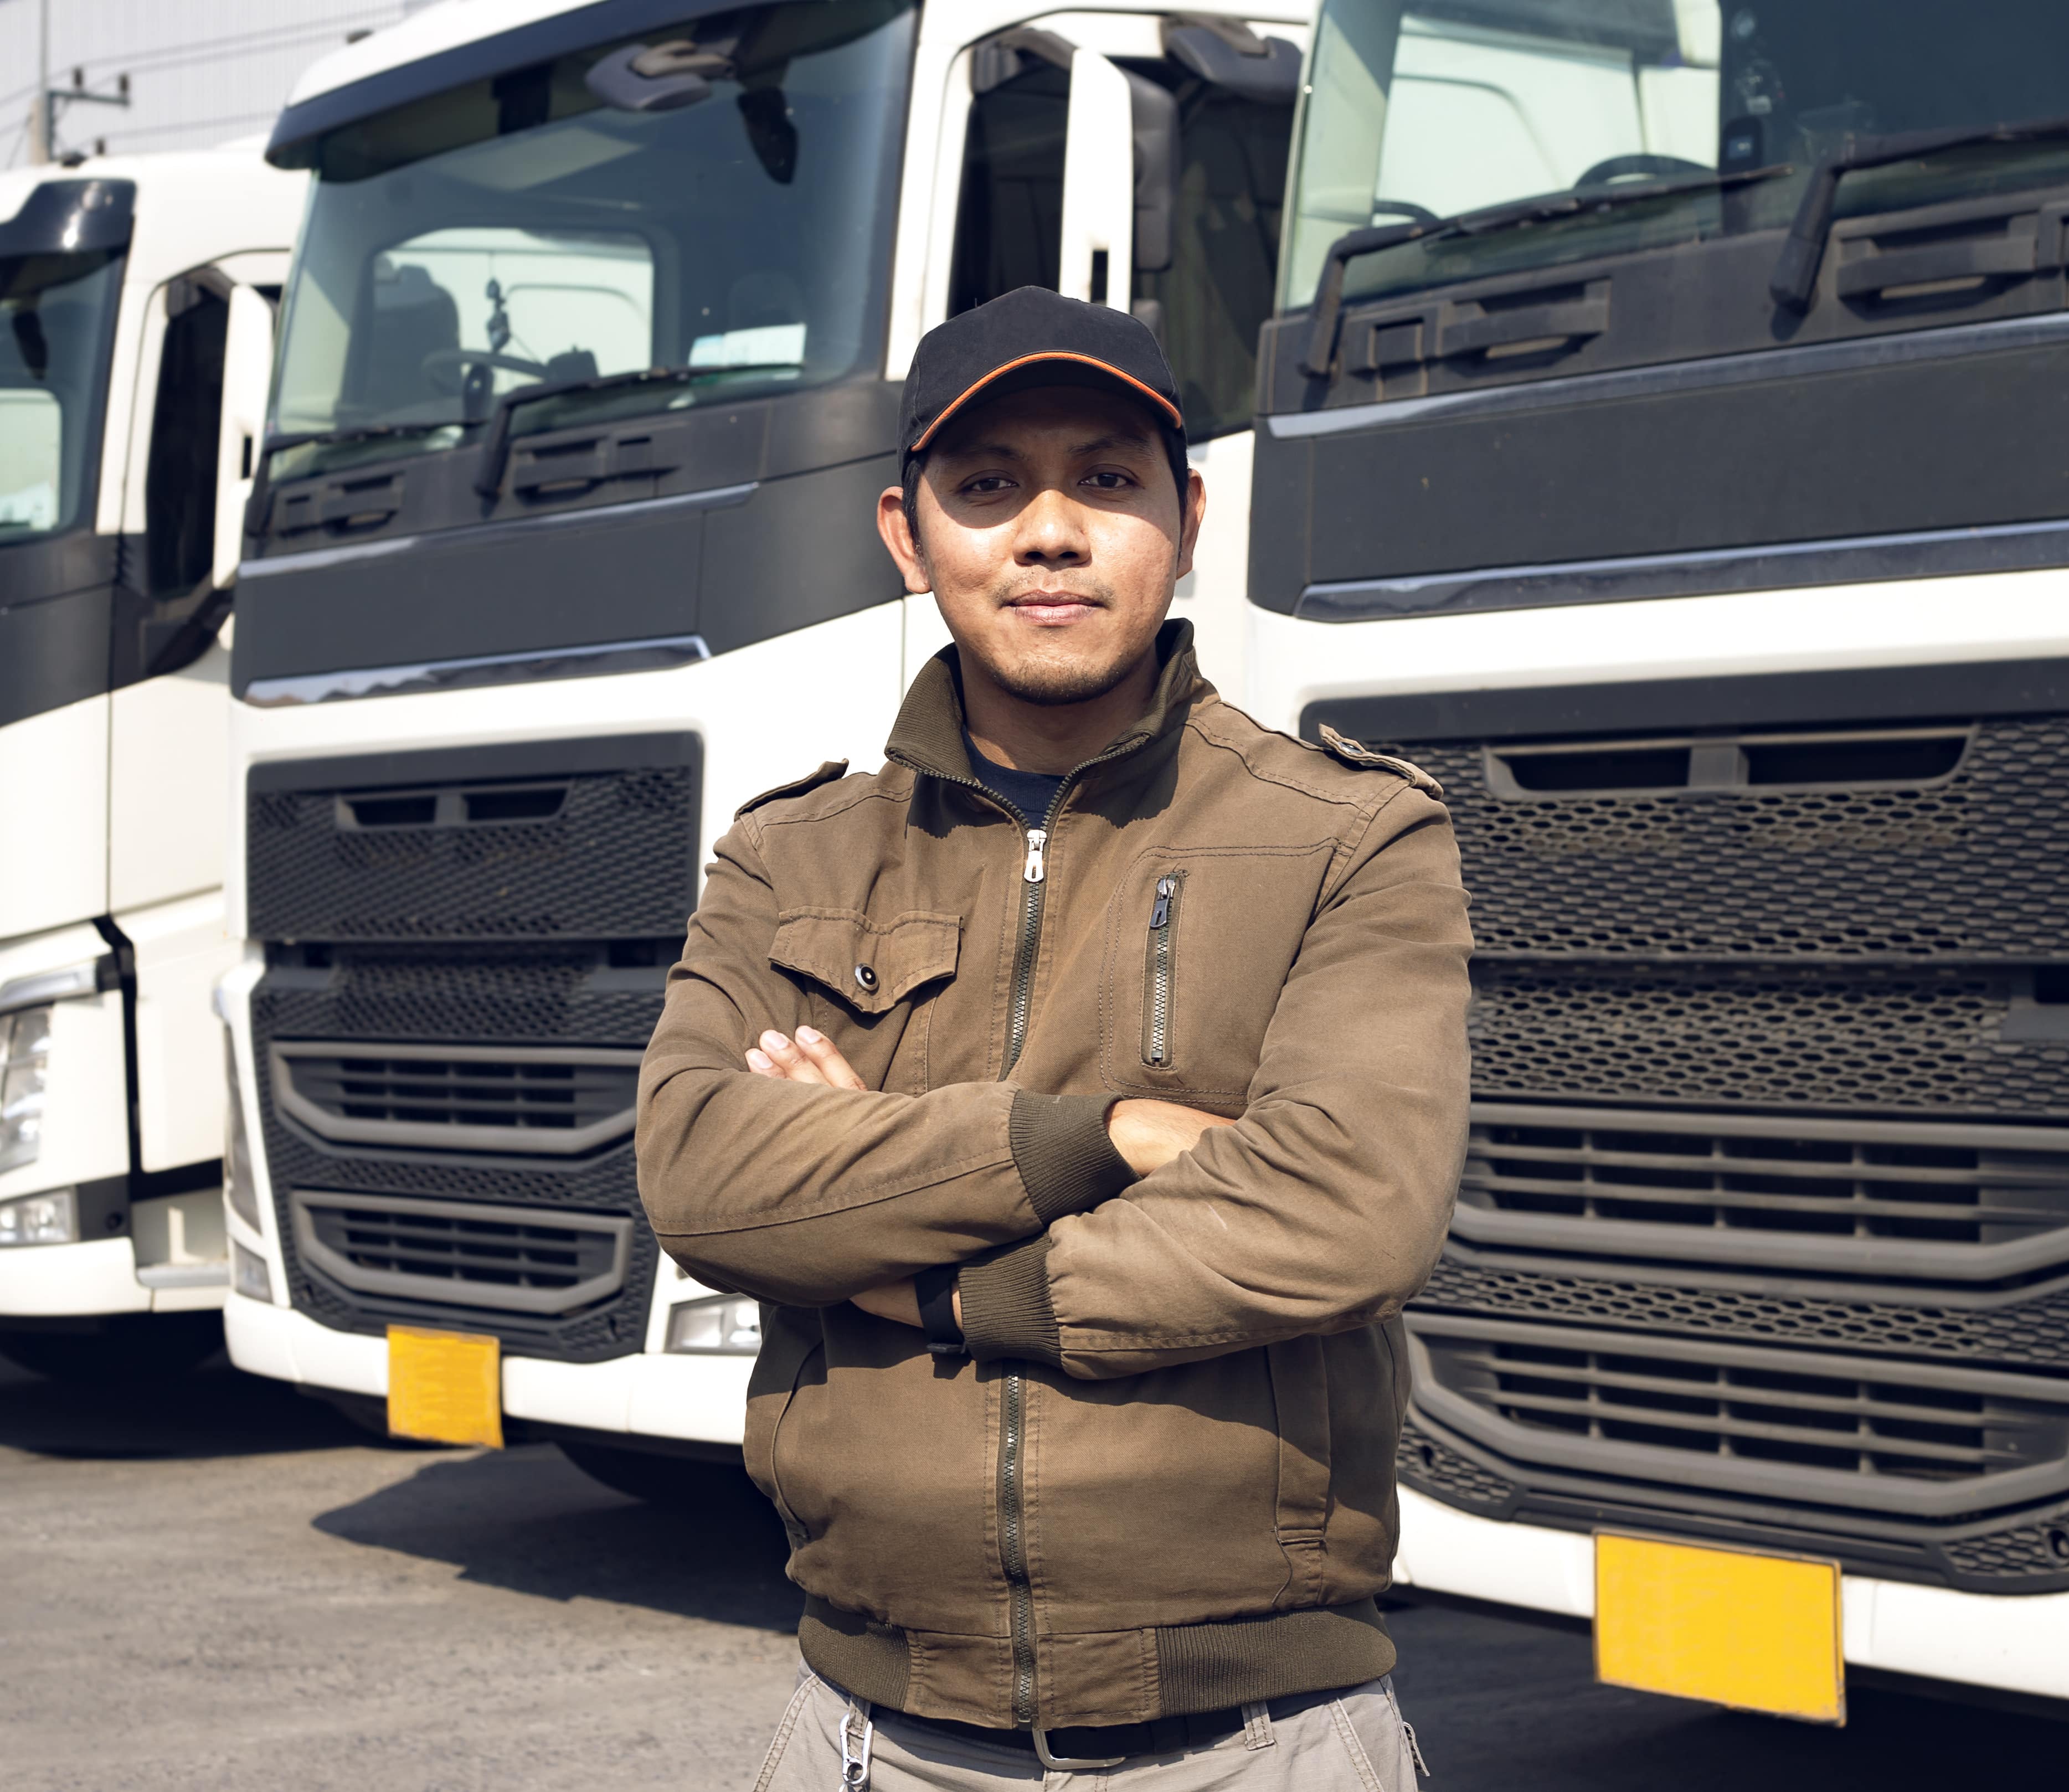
262,481
1349,248
1796,269
495,445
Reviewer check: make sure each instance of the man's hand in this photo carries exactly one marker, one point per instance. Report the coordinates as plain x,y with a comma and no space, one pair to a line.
810,1058
1150,1134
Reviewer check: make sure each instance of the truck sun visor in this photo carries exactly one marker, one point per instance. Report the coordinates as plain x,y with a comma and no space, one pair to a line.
70,217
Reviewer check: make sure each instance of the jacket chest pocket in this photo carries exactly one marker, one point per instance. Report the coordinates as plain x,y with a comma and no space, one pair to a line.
870,981
1199,943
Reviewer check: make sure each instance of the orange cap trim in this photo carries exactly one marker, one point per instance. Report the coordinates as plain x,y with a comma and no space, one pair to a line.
963,397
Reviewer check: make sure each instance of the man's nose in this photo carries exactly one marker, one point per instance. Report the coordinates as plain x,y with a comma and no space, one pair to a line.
1051,531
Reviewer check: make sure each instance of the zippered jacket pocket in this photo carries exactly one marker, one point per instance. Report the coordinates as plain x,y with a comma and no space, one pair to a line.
1159,972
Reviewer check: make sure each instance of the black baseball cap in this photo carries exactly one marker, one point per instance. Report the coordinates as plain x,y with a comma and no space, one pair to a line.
1032,336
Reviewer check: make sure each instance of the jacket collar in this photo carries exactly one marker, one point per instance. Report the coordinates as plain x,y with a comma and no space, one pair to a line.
928,736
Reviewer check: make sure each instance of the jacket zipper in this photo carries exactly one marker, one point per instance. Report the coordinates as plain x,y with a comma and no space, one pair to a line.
1013,1422
1156,1003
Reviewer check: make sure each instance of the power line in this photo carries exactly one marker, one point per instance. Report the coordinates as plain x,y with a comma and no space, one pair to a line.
239,43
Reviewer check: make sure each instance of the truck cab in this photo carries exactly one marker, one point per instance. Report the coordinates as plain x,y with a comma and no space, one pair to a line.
138,295
562,548
1656,446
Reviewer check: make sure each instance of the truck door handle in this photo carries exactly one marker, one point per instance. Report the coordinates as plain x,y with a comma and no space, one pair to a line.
1976,258
1573,319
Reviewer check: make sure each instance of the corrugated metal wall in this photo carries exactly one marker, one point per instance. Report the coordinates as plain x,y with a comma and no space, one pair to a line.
201,72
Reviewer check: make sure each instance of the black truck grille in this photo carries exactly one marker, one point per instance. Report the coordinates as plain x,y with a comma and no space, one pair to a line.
466,953
462,1253
557,1101
1951,1204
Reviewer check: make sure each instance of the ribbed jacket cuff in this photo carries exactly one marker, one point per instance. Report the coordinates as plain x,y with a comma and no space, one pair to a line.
1006,1307
1061,1148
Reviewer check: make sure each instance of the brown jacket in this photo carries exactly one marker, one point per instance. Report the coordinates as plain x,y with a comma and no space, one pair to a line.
1165,1482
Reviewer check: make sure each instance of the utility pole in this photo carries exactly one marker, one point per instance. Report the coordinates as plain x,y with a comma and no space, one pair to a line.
54,98
39,109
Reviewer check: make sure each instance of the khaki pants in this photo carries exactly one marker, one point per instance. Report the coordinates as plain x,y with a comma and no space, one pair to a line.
828,1743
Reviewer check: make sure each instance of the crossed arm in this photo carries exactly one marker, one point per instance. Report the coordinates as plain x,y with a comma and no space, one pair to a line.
1146,1236
1147,1134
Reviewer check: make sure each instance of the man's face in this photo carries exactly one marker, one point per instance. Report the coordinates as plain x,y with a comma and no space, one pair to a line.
1050,533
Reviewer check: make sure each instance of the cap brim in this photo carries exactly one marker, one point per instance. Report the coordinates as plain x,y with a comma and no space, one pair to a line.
1028,371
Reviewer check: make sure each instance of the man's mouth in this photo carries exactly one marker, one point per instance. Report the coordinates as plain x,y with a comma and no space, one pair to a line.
1053,609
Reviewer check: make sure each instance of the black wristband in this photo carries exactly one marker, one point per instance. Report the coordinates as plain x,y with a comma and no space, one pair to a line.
937,1290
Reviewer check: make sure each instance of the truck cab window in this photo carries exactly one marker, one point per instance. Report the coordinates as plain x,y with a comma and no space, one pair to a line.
57,319
464,246
179,478
1009,226
1208,301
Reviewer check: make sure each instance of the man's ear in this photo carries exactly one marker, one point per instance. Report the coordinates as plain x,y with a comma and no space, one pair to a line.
891,524
1194,509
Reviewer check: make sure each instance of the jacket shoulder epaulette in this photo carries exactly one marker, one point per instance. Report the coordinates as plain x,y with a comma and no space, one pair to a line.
1354,752
826,773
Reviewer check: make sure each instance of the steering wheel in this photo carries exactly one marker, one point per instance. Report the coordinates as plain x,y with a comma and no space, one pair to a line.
441,364
1639,167
1404,208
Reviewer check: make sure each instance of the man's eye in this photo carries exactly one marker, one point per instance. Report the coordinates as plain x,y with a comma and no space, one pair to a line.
1109,482
989,482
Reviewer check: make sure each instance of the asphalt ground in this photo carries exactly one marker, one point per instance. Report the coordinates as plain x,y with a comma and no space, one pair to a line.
223,1585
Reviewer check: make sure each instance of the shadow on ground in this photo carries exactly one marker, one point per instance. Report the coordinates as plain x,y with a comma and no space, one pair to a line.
1506,1706
528,1519
215,1411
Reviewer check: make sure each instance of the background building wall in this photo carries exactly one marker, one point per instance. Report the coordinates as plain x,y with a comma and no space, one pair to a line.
201,72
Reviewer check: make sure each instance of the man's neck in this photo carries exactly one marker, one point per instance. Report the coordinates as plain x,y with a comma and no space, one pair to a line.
1050,738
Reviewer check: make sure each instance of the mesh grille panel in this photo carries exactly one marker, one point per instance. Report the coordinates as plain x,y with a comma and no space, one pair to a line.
529,996
2034,1332
616,860
1959,868
1921,1043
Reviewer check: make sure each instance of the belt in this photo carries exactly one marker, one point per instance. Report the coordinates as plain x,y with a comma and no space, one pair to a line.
1108,1745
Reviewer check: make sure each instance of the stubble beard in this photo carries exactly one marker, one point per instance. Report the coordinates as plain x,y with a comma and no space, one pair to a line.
1052,677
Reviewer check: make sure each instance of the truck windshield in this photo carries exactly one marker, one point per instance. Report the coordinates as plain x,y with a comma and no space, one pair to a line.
1425,109
58,316
716,196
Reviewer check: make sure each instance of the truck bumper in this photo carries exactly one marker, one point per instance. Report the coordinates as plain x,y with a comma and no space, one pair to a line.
2005,1643
698,1398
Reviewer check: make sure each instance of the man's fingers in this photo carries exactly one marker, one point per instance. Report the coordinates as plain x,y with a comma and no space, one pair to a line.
789,1062
824,1053
761,1063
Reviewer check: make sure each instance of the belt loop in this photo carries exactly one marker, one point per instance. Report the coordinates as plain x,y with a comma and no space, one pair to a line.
1257,1732
857,1734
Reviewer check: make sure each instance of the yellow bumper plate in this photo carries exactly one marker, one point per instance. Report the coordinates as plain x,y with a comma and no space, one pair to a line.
445,1387
1759,1633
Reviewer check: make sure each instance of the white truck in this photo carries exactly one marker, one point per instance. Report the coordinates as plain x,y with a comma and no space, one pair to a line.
562,548
133,377
1657,445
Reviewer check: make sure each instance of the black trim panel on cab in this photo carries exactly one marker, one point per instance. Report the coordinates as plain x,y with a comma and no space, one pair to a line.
1868,693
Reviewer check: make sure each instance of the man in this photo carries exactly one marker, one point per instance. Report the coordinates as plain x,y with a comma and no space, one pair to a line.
1083,1094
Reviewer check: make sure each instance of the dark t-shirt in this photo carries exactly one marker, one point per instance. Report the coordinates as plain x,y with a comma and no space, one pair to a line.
1030,792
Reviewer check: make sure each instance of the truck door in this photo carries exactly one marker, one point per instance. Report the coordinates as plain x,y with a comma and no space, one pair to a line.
168,734
1139,163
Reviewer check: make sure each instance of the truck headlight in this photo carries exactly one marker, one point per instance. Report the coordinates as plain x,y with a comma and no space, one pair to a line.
250,1273
725,1327
239,1188
51,1218
25,1058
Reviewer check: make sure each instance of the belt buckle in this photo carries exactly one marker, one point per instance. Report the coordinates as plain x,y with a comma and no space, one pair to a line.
1066,1764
